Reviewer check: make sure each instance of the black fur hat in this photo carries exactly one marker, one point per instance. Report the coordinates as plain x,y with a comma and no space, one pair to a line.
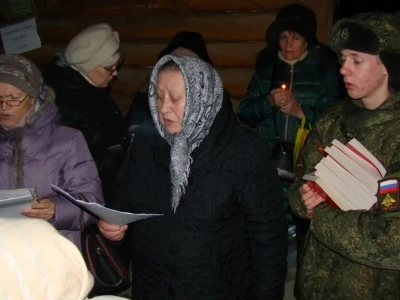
374,33
294,17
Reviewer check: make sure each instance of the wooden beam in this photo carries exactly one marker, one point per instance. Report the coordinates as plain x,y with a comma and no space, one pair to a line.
222,27
124,7
130,80
324,15
142,54
124,101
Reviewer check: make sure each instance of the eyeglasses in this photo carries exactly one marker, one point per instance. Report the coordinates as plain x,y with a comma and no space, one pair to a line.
110,70
12,102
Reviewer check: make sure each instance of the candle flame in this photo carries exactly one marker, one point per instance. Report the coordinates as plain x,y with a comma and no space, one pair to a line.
283,87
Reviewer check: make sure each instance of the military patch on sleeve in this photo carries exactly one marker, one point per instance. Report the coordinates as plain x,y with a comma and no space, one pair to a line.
388,195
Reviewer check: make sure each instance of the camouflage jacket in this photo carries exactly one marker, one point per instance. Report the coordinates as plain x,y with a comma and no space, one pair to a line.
353,254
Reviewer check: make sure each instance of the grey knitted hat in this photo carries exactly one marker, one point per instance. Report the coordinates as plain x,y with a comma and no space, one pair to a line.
20,72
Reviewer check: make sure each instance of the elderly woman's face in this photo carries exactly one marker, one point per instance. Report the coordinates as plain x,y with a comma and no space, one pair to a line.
102,76
14,105
171,99
292,45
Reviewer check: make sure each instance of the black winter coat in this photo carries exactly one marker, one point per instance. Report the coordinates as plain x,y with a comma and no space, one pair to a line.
228,237
89,109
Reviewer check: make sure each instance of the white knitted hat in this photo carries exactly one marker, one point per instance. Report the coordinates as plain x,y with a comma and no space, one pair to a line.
39,263
91,47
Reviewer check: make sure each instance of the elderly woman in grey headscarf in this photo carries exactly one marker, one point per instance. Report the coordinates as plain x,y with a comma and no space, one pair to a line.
222,233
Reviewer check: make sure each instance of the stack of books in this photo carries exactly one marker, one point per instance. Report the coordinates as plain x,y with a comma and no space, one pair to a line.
347,177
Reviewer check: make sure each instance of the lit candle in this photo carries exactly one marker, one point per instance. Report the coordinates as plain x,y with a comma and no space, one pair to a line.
283,87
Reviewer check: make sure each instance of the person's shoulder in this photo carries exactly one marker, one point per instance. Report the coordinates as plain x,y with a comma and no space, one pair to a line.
147,129
247,139
56,68
333,114
145,134
69,137
323,55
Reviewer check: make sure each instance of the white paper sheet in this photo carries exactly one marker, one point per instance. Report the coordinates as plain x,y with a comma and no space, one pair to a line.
20,37
13,201
109,215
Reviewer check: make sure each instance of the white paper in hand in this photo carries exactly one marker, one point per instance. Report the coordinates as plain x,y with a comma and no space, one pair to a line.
109,215
13,201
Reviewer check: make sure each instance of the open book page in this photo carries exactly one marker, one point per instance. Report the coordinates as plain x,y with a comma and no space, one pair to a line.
359,159
13,201
109,215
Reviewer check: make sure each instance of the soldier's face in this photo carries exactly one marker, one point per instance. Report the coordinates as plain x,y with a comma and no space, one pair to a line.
364,75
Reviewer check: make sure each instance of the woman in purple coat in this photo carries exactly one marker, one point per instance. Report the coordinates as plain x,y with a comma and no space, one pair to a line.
35,151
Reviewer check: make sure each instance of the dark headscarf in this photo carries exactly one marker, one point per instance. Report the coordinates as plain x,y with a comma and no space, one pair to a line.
190,40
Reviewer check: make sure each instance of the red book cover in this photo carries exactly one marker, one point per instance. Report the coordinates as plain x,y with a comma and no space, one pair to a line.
314,186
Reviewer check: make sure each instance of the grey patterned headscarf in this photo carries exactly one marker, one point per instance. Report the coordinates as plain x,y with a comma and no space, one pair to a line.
204,95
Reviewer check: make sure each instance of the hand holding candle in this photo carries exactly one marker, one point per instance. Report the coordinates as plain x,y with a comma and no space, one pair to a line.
280,96
283,98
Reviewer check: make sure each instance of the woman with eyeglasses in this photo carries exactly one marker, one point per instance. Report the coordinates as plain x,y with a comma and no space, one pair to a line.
81,77
36,151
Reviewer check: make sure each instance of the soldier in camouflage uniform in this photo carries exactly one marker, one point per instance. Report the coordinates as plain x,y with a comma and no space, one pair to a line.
355,254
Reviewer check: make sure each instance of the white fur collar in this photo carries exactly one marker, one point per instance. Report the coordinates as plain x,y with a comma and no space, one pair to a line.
292,62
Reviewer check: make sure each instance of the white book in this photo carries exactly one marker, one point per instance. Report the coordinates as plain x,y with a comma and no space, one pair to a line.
368,183
333,194
367,166
348,175
365,198
13,201
357,146
328,176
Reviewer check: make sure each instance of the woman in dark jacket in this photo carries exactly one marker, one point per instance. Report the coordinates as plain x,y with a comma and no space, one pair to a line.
222,233
310,73
81,78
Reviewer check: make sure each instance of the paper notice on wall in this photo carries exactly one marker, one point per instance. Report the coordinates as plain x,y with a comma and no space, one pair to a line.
20,37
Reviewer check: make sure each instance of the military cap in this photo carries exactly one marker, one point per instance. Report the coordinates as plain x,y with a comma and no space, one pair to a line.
374,33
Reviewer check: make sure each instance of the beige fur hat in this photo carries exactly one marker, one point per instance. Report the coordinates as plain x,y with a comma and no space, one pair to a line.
93,46
39,263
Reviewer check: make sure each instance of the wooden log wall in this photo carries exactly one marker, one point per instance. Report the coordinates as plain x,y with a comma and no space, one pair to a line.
234,31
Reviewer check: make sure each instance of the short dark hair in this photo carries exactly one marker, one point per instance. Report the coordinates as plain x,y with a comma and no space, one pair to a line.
296,25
